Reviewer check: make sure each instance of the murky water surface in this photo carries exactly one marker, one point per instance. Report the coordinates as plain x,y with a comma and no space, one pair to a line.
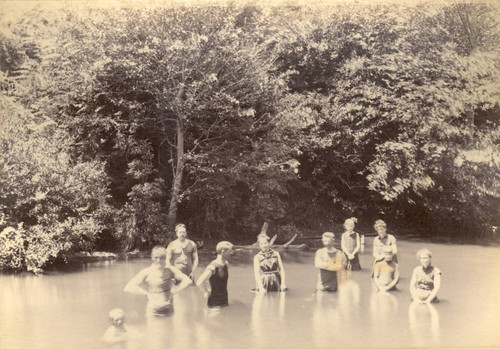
69,309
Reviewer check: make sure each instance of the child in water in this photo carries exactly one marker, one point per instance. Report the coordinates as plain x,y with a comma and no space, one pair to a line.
217,274
386,272
118,333
426,279
351,244
329,261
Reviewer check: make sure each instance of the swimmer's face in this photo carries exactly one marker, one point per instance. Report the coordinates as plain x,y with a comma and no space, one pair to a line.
381,230
388,256
349,226
158,258
264,245
118,320
425,260
227,253
181,234
327,240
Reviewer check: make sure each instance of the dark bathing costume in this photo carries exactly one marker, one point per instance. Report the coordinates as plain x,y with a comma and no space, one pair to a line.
218,284
329,277
269,273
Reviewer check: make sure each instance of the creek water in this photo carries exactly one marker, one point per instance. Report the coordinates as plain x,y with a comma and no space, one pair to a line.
68,308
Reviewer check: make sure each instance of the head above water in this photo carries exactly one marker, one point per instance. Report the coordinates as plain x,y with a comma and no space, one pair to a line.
224,247
158,255
380,228
328,238
264,245
180,231
425,257
349,223
117,316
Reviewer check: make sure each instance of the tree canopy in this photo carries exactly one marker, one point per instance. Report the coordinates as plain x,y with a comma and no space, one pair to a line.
119,122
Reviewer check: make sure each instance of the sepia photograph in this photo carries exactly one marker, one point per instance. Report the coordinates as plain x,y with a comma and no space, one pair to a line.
299,174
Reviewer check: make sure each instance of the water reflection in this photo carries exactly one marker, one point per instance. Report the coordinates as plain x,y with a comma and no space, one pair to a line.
383,313
349,296
423,319
326,319
268,314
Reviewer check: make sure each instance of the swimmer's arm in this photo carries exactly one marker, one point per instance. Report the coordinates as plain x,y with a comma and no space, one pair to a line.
358,245
282,273
376,276
195,261
319,262
395,280
394,246
202,280
437,286
413,289
377,250
185,281
256,273
134,285
169,255
343,244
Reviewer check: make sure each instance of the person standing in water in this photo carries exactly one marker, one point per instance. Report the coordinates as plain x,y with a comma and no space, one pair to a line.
426,279
156,282
182,252
329,261
351,243
383,239
386,272
217,275
268,269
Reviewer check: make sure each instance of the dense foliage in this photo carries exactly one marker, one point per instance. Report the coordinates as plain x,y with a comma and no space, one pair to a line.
119,122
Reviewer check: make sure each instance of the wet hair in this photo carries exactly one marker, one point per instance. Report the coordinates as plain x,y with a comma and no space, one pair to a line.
379,223
328,234
159,249
116,313
352,220
180,226
223,246
424,252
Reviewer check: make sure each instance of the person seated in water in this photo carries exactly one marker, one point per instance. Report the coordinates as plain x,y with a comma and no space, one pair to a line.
217,275
383,239
118,331
386,272
182,253
268,269
426,279
329,261
156,282
351,243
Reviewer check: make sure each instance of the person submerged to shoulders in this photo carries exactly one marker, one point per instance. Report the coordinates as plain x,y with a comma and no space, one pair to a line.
118,333
268,269
329,261
386,272
213,281
426,279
